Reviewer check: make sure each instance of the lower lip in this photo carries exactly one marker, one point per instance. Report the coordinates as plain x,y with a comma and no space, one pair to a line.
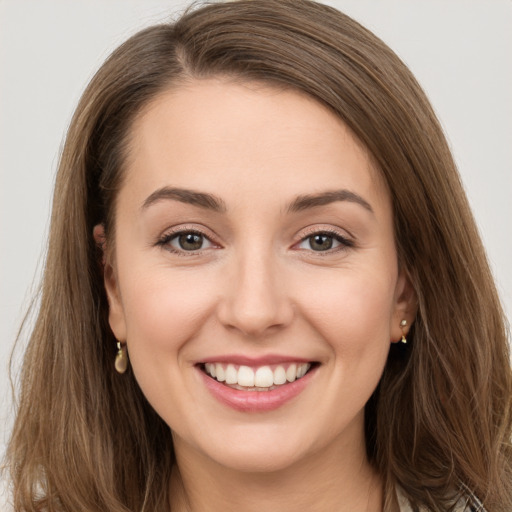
256,401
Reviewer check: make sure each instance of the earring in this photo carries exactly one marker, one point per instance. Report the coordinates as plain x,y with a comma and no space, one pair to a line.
403,324
121,362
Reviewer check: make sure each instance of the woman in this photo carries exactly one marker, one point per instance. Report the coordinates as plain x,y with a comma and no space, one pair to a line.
264,286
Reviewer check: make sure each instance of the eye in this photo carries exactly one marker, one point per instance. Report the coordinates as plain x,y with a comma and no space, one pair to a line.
324,241
186,241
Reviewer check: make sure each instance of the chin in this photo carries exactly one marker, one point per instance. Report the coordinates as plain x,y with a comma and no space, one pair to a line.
262,449
251,460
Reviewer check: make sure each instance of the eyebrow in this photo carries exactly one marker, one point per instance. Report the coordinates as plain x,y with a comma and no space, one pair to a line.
214,203
304,202
183,195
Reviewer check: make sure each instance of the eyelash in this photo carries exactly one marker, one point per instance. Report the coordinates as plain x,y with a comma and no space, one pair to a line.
165,240
345,243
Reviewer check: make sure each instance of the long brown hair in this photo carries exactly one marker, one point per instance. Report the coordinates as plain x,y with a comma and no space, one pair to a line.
439,423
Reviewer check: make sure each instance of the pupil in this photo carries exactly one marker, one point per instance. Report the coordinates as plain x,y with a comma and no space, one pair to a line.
191,241
321,242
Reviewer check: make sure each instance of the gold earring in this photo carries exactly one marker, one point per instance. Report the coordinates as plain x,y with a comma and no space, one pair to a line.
121,362
403,324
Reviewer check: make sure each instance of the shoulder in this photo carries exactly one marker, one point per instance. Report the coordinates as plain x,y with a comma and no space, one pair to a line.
467,503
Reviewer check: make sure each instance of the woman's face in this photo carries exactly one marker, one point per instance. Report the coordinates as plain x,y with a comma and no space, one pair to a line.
254,241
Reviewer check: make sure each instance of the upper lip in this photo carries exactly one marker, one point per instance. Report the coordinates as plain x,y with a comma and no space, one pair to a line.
264,360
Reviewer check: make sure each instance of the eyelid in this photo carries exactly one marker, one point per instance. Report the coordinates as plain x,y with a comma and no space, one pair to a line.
174,231
345,239
175,239
324,228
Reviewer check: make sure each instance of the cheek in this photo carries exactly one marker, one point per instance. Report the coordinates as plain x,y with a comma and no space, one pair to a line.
163,310
352,310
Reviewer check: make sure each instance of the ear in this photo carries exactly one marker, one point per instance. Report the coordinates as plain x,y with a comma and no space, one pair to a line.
116,317
405,306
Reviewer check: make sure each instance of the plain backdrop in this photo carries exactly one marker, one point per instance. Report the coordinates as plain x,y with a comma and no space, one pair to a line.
460,50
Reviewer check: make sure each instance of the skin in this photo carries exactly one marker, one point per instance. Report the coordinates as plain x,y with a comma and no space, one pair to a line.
256,287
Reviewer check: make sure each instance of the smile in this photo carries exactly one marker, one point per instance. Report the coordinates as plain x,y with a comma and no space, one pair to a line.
236,385
262,378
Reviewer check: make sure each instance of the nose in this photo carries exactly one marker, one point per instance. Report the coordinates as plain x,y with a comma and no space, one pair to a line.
255,301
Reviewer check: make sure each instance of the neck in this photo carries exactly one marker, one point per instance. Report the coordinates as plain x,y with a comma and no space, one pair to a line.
337,478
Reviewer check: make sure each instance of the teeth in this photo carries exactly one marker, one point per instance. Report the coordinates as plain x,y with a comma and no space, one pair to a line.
221,374
245,376
231,375
291,373
262,378
301,371
279,376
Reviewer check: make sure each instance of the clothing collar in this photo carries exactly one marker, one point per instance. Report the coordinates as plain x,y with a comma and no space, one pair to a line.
467,503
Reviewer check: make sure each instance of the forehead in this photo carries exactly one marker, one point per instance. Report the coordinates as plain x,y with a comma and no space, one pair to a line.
236,138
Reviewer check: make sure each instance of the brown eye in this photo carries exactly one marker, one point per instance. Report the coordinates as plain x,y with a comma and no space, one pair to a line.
188,241
325,241
321,242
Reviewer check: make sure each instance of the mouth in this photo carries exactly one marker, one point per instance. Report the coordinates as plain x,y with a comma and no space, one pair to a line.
262,378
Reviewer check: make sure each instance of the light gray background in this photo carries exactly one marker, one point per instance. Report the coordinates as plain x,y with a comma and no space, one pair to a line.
460,50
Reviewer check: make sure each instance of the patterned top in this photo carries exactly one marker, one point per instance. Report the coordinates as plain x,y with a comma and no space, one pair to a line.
469,503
